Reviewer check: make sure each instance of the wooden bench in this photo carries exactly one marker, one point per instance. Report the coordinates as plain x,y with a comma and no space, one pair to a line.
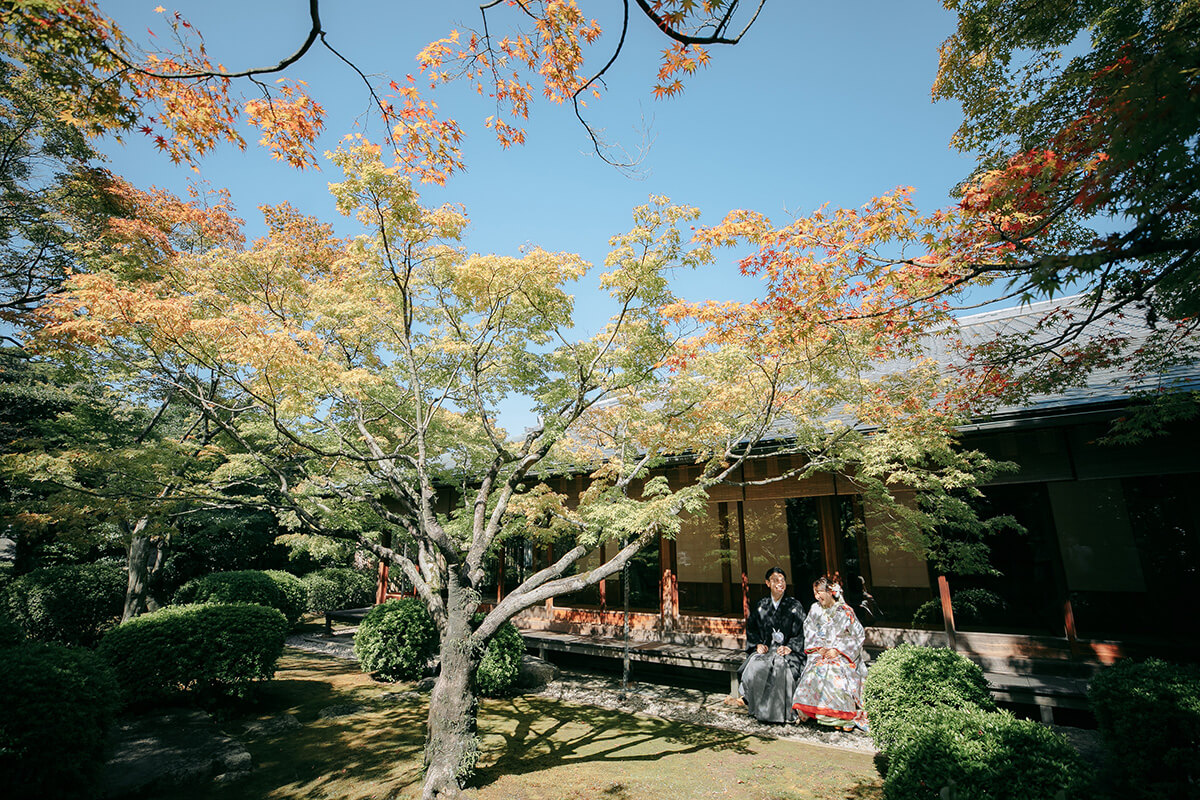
675,655
351,616
1047,692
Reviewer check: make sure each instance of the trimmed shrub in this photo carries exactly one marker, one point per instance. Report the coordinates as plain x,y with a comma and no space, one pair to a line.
971,607
10,632
907,679
57,702
396,639
1149,717
338,587
497,672
221,647
243,586
70,603
293,592
980,754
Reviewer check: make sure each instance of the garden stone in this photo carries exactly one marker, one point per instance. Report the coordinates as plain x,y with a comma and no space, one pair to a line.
426,684
156,752
536,674
399,697
279,724
341,710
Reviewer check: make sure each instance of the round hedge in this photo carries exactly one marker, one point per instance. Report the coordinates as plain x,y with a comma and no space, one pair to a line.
207,647
907,679
396,639
293,592
10,632
500,666
245,586
977,753
57,702
1148,715
338,587
70,603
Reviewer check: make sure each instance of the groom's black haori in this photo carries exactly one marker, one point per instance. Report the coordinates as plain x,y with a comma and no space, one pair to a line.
774,643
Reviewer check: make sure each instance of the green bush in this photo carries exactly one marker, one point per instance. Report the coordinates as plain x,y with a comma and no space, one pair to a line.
243,586
338,587
10,632
57,702
497,672
971,606
396,639
980,754
219,647
70,603
907,679
1149,717
293,592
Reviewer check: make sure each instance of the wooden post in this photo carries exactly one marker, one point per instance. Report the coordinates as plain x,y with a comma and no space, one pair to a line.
741,513
500,575
381,583
947,611
1069,627
604,583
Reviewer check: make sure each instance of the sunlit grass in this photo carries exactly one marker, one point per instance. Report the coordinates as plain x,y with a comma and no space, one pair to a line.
532,748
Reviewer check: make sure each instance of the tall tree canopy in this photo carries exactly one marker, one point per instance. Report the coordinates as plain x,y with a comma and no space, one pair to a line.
361,378
104,81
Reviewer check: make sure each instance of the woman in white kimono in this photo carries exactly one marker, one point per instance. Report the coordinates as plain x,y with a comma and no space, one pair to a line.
830,687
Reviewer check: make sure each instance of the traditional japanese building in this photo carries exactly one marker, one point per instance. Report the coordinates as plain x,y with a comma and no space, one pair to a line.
1107,564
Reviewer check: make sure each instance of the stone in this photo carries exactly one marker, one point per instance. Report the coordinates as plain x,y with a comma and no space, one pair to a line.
341,710
399,697
279,724
156,752
536,673
426,684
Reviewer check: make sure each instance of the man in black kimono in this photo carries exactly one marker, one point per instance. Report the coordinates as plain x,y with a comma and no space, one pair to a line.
774,644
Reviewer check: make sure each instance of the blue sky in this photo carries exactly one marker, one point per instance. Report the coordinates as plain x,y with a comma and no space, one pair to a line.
821,103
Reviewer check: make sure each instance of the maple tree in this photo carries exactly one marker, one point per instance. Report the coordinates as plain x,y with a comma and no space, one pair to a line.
163,452
51,194
102,81
554,51
359,379
1086,182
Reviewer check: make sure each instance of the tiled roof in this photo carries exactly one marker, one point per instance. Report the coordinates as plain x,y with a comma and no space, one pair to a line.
1106,385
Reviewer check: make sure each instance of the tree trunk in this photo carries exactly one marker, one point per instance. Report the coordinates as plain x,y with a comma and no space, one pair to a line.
140,553
145,571
452,747
154,574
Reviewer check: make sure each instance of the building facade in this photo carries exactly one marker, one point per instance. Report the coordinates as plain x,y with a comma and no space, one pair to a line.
1105,563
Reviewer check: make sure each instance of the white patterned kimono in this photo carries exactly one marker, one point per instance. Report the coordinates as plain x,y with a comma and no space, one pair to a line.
830,687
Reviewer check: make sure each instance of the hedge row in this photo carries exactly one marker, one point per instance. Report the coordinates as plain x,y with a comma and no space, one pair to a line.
1149,718
205,647
58,700
68,604
323,590
338,587
272,588
935,721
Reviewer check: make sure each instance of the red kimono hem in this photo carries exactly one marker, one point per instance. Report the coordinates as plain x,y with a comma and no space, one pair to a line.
814,711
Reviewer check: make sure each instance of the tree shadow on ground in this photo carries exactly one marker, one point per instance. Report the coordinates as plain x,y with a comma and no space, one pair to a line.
530,734
355,738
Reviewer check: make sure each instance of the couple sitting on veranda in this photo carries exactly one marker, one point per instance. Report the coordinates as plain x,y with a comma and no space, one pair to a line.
827,686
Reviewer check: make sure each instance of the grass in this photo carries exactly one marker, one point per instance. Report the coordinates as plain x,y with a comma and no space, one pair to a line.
532,748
